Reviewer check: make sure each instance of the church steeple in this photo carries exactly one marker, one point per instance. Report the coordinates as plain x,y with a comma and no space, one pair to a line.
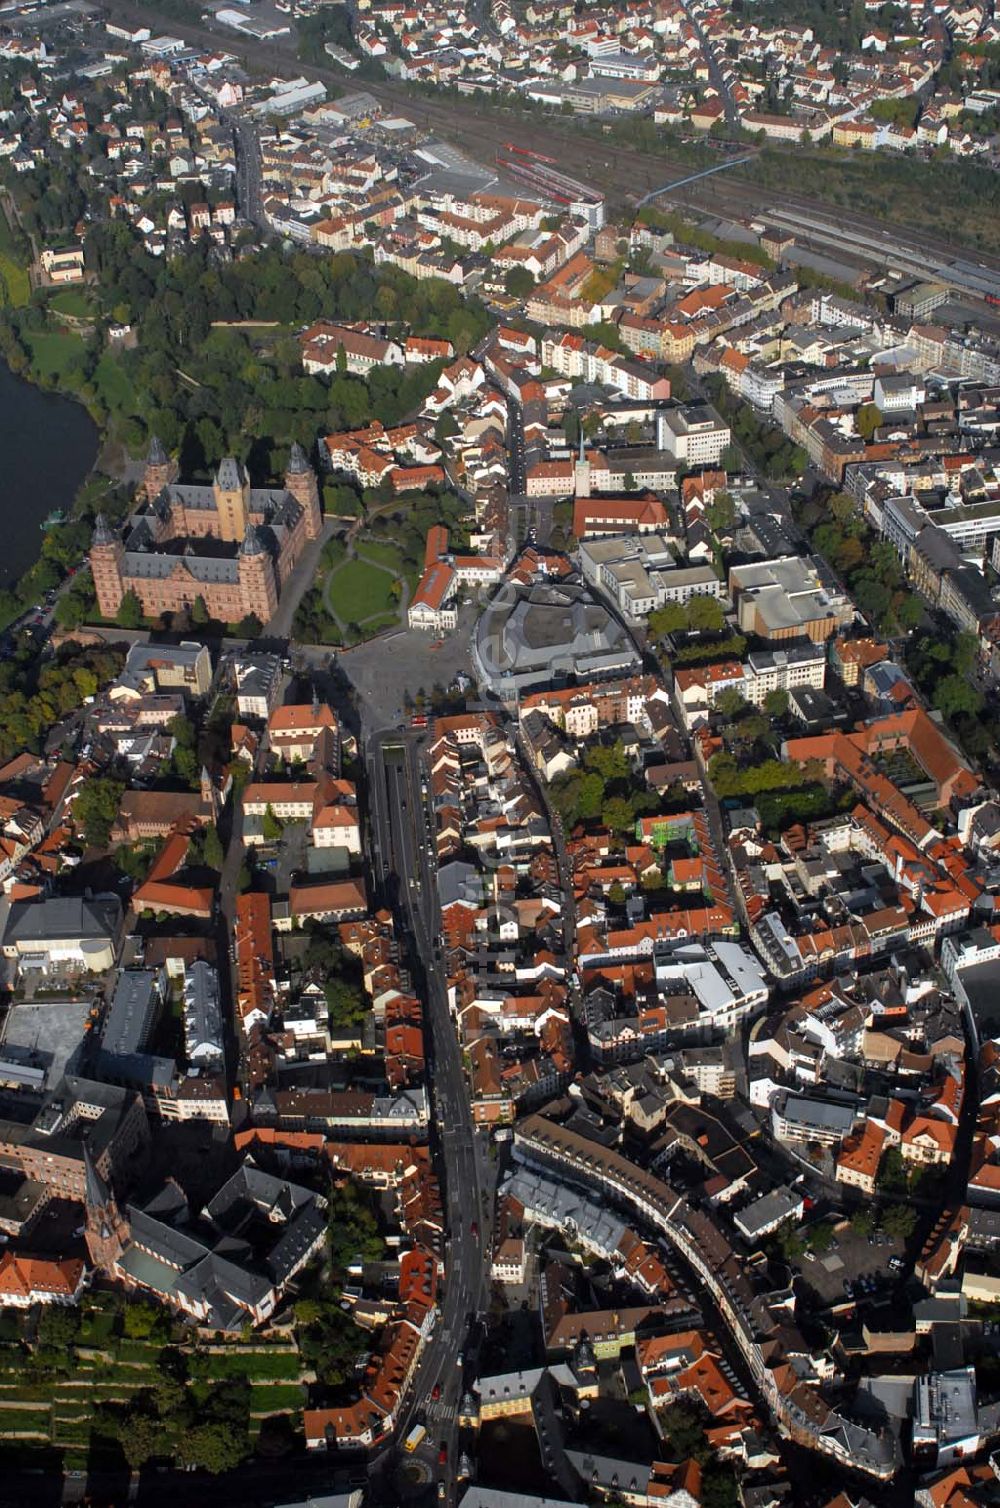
97,1194
581,471
106,1229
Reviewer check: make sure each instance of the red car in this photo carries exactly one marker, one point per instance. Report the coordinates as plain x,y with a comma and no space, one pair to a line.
474,1229
442,1454
436,1390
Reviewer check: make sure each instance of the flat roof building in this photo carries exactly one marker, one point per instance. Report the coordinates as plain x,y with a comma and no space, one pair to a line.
693,433
639,572
945,1418
789,598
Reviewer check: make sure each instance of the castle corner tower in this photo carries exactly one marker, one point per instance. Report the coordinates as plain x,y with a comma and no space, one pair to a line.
160,470
300,481
106,554
258,581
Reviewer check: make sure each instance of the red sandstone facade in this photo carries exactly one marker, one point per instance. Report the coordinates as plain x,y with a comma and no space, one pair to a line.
232,545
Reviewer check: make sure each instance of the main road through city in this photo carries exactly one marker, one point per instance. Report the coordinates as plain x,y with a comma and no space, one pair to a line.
401,853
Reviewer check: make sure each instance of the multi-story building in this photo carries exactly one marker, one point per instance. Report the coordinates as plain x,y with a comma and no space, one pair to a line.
81,1120
796,1118
294,731
64,934
255,537
640,573
693,434
788,598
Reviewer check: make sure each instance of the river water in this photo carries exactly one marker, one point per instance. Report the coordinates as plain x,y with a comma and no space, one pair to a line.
47,446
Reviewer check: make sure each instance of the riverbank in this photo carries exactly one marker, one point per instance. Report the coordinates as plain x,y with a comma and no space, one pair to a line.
50,446
59,462
60,459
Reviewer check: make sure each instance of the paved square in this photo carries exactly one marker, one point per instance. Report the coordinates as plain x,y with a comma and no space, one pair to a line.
385,670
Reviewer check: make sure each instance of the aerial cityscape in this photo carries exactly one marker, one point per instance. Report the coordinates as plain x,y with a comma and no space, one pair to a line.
500,754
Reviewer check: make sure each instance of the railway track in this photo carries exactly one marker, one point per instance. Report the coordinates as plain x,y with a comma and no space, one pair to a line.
480,128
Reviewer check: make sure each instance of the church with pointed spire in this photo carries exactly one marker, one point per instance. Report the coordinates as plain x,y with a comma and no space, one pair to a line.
230,544
106,1231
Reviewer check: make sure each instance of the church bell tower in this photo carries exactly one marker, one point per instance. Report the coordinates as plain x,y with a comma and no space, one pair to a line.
107,1231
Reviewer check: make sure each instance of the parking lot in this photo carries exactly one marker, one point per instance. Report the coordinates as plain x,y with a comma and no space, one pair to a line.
855,1257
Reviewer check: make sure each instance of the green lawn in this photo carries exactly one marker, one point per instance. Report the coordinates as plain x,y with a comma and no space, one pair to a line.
57,1416
126,1375
147,1351
257,1365
113,385
52,351
25,1392
380,553
18,1421
277,1398
359,591
378,625
97,1326
15,288
73,301
72,1434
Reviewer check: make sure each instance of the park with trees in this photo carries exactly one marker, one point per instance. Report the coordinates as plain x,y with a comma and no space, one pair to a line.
775,456
869,567
215,368
366,576
699,615
36,694
602,788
